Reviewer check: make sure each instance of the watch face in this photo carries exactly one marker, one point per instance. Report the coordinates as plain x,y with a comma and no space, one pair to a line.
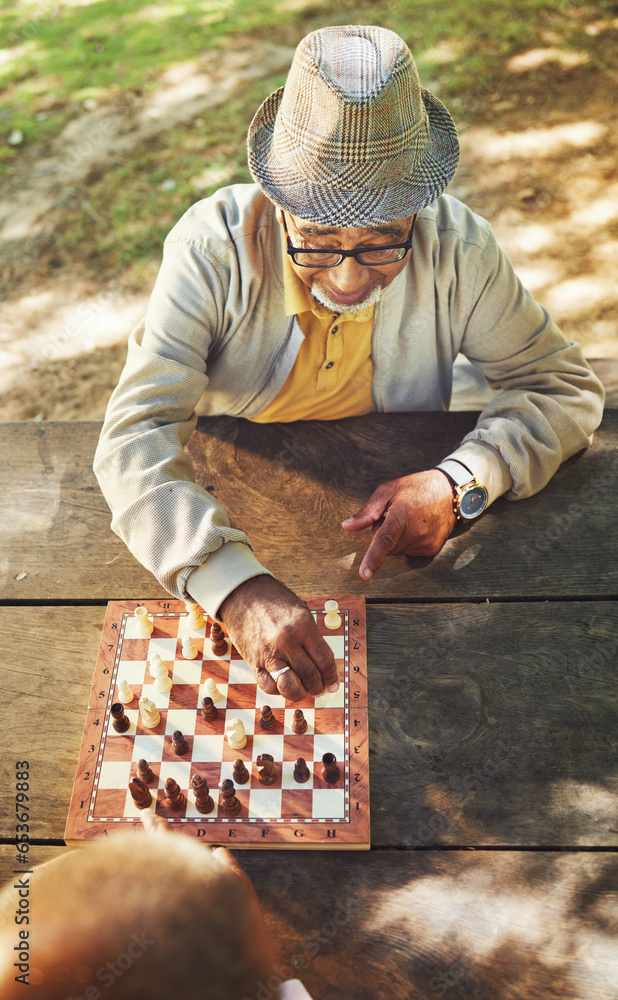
473,502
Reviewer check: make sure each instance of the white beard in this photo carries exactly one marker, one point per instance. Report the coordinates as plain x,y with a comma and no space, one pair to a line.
339,307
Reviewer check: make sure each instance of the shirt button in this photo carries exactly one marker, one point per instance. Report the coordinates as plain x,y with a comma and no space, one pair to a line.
330,364
334,329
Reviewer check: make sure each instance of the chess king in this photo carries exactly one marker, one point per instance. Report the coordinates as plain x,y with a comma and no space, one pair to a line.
343,281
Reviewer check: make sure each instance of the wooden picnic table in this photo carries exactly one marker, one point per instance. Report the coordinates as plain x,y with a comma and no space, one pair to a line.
493,703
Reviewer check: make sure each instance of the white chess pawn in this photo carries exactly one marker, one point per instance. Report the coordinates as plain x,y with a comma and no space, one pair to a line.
144,624
152,662
125,694
189,649
331,618
212,691
163,682
235,732
149,713
195,617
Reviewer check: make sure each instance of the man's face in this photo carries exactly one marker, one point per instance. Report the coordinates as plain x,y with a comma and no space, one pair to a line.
350,285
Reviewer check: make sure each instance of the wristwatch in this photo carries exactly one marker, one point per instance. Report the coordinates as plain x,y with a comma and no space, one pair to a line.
469,495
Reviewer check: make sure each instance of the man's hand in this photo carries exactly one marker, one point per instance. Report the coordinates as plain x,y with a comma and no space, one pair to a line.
411,516
273,629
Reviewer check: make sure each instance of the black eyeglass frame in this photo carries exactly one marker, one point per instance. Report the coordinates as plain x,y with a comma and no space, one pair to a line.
407,244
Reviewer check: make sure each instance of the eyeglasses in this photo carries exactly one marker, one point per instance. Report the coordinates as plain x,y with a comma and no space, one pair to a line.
369,256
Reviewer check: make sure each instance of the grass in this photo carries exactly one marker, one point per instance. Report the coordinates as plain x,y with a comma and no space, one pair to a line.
60,54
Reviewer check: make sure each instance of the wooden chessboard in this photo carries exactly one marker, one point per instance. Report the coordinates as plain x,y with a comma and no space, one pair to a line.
285,814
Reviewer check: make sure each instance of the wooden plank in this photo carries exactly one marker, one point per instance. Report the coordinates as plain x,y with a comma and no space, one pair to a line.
289,486
428,924
490,724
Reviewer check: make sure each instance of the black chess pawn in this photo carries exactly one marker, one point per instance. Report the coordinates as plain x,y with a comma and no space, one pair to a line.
299,722
204,802
301,771
145,772
179,743
120,721
241,774
229,803
209,709
174,798
330,770
267,772
140,793
218,642
267,719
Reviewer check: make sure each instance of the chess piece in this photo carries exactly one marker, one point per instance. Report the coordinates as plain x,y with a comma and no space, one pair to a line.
145,772
209,711
120,722
174,797
299,722
267,772
241,774
230,805
145,627
179,743
195,616
152,664
204,802
218,642
140,793
235,732
330,770
125,694
149,713
267,719
163,681
212,690
331,618
189,649
301,771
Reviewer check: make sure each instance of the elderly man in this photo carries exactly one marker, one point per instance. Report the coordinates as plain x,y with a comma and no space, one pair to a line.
343,282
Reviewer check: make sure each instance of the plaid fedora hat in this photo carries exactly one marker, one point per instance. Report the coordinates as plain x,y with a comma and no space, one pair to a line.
352,139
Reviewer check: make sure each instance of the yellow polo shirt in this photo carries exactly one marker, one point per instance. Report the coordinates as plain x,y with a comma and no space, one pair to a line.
331,377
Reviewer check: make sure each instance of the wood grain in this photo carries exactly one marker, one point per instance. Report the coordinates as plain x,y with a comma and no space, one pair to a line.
290,486
460,924
490,724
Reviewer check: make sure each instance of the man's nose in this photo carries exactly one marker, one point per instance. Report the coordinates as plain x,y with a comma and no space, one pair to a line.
349,276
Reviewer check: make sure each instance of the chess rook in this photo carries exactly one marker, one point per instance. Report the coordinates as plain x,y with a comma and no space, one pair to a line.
195,616
218,642
189,649
125,694
174,797
267,719
204,802
330,770
229,803
331,618
241,774
209,711
145,627
266,769
179,743
301,771
235,732
299,722
120,722
140,793
145,772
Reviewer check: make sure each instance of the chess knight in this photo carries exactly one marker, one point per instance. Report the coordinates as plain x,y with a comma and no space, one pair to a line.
343,281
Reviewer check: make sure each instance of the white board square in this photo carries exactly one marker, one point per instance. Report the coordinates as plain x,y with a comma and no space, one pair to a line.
265,802
183,627
246,716
115,774
179,770
207,748
328,700
337,644
241,673
193,811
268,743
148,747
132,715
328,803
132,671
329,743
274,700
187,671
131,628
130,809
309,714
183,719
160,700
287,776
164,646
221,688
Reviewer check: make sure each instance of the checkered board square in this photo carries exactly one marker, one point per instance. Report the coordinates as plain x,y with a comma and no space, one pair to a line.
286,813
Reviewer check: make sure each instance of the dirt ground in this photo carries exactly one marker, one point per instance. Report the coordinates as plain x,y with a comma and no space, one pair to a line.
537,161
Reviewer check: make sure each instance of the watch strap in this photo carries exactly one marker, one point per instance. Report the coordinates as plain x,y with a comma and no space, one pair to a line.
456,471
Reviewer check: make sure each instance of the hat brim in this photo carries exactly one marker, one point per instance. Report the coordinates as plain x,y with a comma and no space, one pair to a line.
352,195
